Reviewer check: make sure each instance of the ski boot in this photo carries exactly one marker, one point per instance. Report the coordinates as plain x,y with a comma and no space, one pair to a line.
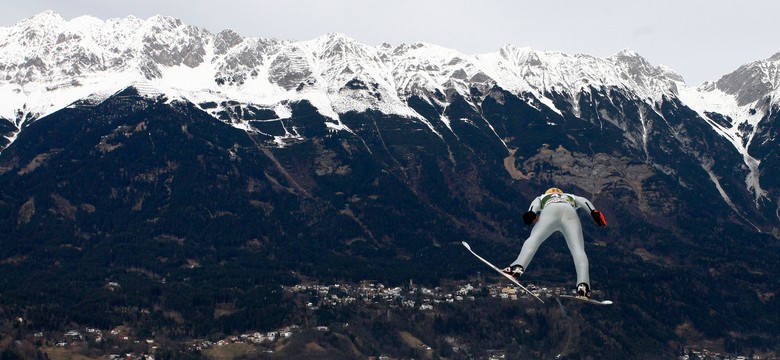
514,270
583,290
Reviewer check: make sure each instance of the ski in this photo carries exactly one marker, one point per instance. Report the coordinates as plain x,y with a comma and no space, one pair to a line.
587,300
509,277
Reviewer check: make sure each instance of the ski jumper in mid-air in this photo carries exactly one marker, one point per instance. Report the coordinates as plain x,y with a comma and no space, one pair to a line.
557,211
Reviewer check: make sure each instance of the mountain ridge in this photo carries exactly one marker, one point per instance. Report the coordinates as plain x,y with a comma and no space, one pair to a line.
174,39
147,47
49,62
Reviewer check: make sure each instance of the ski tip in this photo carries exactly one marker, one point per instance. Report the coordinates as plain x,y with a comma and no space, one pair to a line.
607,302
466,245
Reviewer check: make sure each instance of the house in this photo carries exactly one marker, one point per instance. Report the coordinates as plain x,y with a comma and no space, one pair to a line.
465,290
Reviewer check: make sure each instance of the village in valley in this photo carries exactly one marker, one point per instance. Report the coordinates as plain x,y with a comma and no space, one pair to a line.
122,342
127,344
369,293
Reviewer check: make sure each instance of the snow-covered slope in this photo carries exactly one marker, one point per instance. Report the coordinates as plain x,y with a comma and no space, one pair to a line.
736,104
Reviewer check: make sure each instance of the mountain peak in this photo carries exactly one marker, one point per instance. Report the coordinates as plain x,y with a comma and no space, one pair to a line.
343,50
87,20
643,74
510,48
626,52
631,57
335,38
754,81
162,19
46,17
335,35
526,54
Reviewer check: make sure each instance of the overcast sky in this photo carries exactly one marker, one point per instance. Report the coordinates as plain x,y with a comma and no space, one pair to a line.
701,40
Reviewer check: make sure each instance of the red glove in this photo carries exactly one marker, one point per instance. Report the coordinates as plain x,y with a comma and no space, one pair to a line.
598,217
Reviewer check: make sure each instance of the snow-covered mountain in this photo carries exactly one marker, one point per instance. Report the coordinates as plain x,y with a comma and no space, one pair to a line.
48,63
148,150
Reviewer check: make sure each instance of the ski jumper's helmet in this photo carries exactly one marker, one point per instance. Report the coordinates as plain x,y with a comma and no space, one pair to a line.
554,191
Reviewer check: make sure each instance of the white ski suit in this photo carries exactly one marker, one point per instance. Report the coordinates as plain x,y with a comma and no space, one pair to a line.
558,212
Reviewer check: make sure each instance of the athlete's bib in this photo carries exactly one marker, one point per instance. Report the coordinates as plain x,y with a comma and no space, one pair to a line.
558,198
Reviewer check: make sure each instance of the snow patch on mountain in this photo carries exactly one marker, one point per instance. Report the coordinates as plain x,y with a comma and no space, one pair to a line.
707,100
12,99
